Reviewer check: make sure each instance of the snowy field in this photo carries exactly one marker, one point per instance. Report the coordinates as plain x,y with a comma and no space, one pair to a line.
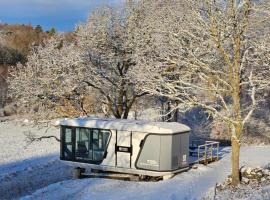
34,172
194,184
24,169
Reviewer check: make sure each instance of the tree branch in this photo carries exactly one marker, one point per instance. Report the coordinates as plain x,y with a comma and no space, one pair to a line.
30,137
252,95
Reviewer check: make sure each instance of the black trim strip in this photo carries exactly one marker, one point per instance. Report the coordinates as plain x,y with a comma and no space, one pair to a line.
62,143
131,148
115,149
73,143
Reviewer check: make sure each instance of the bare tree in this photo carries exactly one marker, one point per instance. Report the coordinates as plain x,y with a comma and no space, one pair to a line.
99,55
49,77
31,138
8,57
209,53
107,54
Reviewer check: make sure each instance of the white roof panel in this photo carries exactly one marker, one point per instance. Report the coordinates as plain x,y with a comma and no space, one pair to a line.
127,125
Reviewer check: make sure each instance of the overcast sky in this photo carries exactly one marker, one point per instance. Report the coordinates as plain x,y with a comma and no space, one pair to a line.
61,14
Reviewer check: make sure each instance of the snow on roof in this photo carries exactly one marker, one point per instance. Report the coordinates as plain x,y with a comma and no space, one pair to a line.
127,125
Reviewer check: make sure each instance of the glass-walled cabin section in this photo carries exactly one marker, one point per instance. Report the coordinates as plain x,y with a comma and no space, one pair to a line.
84,144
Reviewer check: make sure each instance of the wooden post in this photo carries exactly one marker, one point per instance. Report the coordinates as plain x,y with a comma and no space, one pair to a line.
3,85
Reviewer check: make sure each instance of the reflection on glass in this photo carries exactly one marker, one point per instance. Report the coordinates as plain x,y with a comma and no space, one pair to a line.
91,144
68,144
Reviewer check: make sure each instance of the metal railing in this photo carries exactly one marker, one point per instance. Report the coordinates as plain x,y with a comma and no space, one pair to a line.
210,152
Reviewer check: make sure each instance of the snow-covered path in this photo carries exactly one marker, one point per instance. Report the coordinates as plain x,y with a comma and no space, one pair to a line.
193,184
24,169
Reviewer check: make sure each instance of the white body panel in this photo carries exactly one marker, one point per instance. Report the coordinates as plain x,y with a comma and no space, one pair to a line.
124,144
123,159
123,139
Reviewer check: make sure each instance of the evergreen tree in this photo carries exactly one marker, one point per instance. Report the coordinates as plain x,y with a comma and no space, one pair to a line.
38,29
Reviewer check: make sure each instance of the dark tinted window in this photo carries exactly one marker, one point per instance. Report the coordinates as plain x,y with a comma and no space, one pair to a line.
67,145
91,144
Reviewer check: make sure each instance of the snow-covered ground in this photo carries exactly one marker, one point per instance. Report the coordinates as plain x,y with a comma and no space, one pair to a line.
24,169
36,173
253,191
194,184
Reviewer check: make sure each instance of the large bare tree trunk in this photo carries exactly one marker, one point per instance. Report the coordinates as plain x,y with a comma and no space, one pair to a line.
235,161
236,131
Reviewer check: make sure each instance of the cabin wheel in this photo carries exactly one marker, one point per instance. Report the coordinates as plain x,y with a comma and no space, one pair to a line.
150,178
144,178
77,172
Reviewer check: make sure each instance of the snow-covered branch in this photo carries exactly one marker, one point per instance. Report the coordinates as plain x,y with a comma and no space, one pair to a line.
31,138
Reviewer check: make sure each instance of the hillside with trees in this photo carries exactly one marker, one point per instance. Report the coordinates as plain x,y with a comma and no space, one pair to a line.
16,42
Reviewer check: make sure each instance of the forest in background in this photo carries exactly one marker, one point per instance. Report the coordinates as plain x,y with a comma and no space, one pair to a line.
21,42
16,42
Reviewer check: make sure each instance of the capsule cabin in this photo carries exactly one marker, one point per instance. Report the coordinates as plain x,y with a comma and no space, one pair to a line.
125,146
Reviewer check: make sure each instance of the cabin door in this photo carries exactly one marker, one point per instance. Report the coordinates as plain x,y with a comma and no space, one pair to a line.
123,149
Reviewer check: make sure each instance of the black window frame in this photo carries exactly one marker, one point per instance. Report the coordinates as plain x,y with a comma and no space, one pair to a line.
74,159
62,143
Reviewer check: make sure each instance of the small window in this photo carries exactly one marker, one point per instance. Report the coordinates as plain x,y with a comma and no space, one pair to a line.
83,144
67,145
